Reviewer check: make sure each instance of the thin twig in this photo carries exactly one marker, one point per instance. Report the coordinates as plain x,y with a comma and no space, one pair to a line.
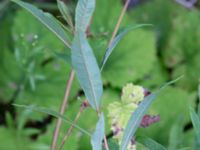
111,40
62,109
119,21
71,128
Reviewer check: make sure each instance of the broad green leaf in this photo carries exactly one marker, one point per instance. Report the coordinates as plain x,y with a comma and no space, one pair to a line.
87,70
182,53
52,113
196,124
150,143
98,135
12,140
47,19
137,116
64,10
116,41
84,11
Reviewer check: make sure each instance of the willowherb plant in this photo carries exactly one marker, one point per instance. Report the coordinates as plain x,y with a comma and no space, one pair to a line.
126,116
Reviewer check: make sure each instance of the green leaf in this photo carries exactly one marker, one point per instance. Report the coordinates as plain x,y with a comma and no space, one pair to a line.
98,135
150,143
113,145
86,67
47,19
175,135
65,13
196,124
116,41
137,116
84,11
177,100
52,113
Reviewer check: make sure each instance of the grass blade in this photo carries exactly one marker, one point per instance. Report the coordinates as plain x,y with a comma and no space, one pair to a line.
150,143
52,113
47,19
98,135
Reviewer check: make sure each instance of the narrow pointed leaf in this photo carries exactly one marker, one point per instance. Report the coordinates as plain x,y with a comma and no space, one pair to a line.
116,41
136,118
150,144
84,11
52,113
47,19
65,13
98,135
87,70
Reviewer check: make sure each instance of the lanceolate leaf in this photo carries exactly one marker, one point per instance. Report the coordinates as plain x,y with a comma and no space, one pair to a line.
98,135
48,20
52,113
116,41
84,11
137,116
150,144
87,69
65,13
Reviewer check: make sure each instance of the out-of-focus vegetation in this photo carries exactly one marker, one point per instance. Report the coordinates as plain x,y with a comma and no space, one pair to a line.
34,68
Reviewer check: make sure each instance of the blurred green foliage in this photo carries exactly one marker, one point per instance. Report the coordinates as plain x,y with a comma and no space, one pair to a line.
31,73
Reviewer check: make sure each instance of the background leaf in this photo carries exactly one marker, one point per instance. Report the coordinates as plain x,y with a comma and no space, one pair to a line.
52,113
98,135
150,144
47,20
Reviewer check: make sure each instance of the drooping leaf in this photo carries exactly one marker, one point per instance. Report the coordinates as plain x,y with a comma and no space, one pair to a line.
84,11
47,19
116,41
86,67
52,113
150,143
137,116
98,135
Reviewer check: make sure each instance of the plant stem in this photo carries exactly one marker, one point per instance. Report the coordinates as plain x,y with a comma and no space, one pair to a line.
119,21
62,109
111,40
71,128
